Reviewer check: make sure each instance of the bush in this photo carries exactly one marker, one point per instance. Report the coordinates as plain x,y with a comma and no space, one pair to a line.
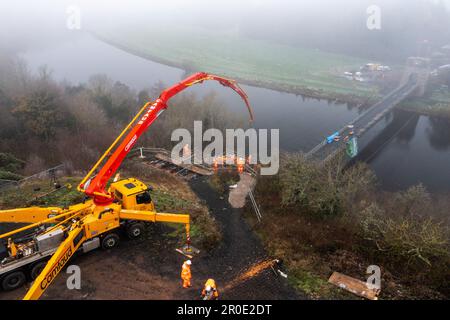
414,201
8,162
405,232
412,243
323,190
6,175
415,242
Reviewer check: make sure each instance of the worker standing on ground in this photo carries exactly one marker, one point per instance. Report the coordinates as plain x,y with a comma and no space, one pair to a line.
186,274
240,164
210,290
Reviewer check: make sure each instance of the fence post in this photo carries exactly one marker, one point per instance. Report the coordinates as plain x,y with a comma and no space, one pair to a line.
142,153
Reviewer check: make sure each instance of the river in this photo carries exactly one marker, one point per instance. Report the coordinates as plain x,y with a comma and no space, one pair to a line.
419,152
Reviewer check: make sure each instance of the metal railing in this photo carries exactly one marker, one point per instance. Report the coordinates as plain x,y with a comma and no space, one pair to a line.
40,175
255,205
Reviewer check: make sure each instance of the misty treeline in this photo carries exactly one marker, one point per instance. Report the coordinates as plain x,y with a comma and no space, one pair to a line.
45,123
333,210
341,26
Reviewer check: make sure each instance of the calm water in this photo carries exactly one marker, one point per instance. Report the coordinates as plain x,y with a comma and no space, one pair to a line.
420,152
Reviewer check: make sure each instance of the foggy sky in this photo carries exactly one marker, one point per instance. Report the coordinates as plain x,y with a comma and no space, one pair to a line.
25,23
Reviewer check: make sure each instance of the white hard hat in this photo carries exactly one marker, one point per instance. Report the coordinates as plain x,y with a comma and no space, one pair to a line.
188,262
208,288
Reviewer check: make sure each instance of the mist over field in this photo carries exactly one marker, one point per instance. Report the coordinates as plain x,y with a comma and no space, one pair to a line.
337,26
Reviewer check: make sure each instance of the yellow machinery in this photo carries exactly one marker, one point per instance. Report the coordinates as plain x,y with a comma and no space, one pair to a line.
84,226
52,235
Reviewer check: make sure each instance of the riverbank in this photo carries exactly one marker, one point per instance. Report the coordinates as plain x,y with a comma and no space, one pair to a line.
437,104
307,72
320,222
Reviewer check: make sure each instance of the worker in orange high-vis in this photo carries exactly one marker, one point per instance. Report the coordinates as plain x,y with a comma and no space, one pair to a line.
240,162
12,248
186,274
210,290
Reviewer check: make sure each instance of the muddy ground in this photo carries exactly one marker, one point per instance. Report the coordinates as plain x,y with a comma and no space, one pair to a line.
149,268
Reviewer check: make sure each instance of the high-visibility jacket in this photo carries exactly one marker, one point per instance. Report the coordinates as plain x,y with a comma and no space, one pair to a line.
211,283
186,271
12,248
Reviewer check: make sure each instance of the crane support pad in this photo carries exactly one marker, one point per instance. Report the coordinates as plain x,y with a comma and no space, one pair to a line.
354,286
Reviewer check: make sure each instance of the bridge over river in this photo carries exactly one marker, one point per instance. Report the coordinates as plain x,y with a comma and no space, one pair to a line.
362,129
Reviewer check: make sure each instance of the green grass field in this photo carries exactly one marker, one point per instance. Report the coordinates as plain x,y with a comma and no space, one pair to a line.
437,104
292,69
441,95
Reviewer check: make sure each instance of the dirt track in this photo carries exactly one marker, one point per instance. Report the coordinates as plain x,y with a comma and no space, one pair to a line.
149,268
239,251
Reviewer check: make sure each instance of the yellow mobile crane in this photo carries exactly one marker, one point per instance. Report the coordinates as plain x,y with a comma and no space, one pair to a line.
54,234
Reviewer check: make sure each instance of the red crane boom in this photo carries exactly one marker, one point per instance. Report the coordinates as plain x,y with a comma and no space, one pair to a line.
94,186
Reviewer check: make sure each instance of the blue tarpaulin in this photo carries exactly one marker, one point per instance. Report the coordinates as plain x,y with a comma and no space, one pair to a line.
330,139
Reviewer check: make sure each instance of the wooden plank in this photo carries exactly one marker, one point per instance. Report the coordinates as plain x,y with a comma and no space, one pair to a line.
354,286
184,254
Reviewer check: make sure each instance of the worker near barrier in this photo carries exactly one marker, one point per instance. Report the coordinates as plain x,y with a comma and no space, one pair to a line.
209,291
186,274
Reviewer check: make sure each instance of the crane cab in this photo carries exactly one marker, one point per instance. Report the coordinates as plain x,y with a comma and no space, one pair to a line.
132,194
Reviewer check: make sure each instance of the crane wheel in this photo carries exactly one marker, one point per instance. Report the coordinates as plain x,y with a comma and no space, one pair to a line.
135,230
13,280
37,269
110,241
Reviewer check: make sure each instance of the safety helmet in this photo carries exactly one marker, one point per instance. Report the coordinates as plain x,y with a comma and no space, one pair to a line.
188,262
208,288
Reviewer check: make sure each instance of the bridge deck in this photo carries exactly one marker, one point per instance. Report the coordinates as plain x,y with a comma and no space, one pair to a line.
324,150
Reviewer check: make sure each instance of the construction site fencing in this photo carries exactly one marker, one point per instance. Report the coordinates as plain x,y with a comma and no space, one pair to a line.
53,172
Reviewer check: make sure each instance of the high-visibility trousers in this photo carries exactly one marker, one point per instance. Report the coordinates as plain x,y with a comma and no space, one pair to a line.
186,282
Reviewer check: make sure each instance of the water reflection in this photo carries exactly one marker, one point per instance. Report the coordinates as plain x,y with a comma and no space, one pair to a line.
418,153
406,134
439,133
